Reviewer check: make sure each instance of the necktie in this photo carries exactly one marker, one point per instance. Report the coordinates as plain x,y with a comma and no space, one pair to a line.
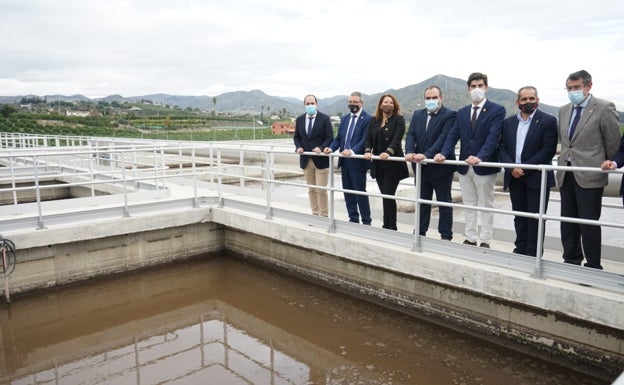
310,125
577,117
429,117
350,132
473,120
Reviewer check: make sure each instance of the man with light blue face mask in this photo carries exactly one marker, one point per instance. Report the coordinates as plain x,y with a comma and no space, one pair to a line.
589,132
426,134
313,132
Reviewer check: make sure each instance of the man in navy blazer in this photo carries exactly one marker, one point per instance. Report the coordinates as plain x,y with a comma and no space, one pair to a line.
313,132
426,134
349,140
530,137
478,126
617,161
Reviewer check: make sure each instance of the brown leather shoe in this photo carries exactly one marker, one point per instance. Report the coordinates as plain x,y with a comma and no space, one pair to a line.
467,242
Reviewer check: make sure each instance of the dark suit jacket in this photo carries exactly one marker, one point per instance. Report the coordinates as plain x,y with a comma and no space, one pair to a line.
360,131
595,139
619,159
540,146
482,142
321,136
388,140
429,142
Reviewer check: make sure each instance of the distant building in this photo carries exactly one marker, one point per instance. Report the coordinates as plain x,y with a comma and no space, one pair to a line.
282,128
82,113
77,113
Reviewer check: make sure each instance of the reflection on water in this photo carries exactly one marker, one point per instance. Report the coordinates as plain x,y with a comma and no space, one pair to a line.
223,321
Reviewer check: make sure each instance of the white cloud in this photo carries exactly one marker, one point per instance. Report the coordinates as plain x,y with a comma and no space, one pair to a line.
287,48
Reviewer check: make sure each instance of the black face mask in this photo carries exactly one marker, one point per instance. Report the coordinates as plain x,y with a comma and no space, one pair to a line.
528,108
353,108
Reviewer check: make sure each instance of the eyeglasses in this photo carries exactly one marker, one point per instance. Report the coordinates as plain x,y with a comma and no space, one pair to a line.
575,87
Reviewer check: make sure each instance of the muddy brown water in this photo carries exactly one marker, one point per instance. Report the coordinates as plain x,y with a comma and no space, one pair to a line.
220,320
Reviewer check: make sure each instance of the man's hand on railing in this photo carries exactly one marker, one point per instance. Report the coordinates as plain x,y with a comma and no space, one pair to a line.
439,158
299,150
472,160
517,172
415,157
608,165
327,150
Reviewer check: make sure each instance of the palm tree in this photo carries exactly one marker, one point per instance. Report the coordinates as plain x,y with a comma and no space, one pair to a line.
214,106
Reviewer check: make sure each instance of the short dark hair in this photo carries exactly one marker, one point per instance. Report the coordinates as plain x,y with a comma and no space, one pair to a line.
582,74
433,87
477,76
527,88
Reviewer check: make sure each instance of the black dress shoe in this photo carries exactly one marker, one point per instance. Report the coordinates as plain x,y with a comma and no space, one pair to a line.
484,245
467,242
445,238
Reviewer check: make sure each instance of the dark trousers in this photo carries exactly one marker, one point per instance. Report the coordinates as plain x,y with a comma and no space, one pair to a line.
524,198
580,240
354,178
442,187
388,184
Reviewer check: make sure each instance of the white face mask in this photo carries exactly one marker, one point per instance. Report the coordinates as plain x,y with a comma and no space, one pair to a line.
477,95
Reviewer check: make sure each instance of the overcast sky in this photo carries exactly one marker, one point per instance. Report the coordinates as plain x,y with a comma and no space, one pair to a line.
292,48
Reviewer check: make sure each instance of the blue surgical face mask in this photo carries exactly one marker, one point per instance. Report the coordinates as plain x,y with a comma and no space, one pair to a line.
310,109
431,104
576,97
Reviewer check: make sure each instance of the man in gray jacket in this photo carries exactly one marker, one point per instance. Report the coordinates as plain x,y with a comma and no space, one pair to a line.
589,132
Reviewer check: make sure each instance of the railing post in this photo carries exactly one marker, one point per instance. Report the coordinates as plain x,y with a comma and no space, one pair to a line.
417,185
219,179
194,165
241,165
332,221
126,212
538,270
38,195
268,169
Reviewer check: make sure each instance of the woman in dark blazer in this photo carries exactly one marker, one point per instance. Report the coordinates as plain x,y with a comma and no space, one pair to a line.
385,133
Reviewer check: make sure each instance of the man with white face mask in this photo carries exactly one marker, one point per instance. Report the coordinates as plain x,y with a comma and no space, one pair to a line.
589,132
478,126
426,134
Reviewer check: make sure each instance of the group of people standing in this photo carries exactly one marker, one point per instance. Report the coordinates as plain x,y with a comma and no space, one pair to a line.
587,129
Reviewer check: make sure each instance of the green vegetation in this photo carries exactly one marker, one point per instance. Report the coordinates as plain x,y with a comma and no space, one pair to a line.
122,120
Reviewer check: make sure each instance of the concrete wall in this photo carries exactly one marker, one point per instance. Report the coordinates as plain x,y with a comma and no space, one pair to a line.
575,324
60,255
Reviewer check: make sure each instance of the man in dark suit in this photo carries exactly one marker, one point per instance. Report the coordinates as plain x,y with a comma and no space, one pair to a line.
314,131
478,126
530,137
589,132
617,161
350,141
426,134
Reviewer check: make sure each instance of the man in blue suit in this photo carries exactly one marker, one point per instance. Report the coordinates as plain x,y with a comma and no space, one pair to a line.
530,137
478,125
350,139
426,134
313,132
617,161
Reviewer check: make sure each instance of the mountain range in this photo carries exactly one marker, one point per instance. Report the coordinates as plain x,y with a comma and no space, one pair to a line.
247,102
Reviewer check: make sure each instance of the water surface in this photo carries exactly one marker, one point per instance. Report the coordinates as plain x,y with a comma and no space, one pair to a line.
219,320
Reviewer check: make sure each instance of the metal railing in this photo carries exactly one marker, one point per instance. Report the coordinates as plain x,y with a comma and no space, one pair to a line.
133,166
